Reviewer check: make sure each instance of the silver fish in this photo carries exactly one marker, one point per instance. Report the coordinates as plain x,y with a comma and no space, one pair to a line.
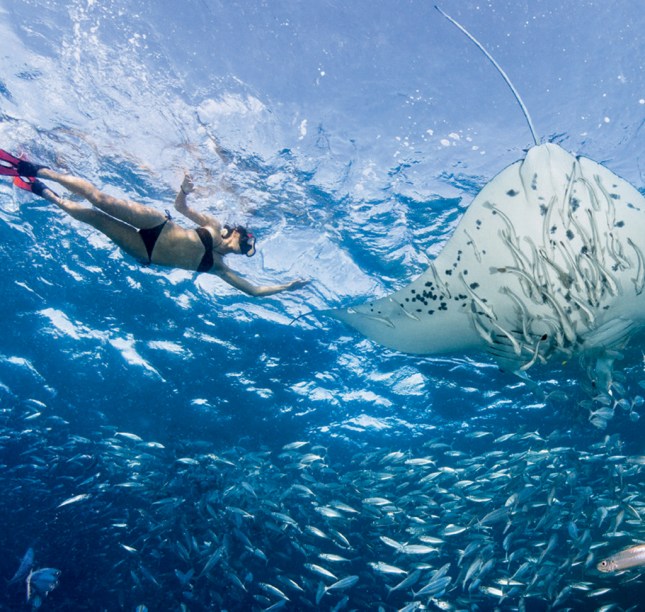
321,571
343,583
385,568
634,556
73,500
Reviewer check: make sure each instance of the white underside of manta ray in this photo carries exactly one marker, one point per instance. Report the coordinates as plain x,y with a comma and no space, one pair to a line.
547,261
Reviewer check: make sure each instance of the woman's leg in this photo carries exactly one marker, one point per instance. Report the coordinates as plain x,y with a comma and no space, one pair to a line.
122,234
138,215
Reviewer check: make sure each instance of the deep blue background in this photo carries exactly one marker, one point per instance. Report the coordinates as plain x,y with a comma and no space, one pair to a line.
350,137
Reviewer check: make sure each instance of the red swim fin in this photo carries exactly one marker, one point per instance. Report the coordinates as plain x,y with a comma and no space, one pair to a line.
31,184
8,164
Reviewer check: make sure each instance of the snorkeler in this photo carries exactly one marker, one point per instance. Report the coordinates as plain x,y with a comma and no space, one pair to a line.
145,233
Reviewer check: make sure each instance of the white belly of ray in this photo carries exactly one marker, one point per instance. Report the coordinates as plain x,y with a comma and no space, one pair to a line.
547,260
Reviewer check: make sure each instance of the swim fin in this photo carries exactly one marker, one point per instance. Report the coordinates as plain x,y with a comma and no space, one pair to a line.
14,166
32,184
8,164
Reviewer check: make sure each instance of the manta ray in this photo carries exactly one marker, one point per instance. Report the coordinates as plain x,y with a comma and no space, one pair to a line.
548,261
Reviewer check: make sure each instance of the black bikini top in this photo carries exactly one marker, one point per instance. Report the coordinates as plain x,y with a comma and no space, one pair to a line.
207,240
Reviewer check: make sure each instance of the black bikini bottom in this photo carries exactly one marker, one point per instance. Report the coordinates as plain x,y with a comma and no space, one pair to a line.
150,236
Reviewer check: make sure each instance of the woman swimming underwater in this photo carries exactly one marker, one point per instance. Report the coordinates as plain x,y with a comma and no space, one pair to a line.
145,233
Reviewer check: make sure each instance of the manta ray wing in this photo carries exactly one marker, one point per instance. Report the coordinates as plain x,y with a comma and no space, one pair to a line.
548,253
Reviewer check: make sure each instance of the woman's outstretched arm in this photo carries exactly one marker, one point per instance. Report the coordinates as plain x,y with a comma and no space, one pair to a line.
233,279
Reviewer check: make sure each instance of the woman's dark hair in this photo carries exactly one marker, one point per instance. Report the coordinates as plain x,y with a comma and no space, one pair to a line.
247,239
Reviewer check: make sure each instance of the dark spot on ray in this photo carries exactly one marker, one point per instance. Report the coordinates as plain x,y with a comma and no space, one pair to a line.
474,285
619,224
512,193
430,311
407,299
570,235
584,250
449,272
574,203
543,210
419,310
614,196
413,290
554,229
428,284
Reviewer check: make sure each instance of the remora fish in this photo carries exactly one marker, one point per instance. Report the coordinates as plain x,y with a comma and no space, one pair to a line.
634,556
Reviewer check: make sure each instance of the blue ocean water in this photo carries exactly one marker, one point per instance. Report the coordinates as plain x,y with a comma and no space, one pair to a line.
350,138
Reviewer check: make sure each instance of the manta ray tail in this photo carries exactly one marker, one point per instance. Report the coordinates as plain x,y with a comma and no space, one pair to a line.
499,69
308,314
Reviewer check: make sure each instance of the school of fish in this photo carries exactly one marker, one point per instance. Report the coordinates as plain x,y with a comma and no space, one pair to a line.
477,521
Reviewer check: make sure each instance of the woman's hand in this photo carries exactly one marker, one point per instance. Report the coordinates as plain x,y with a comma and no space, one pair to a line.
187,185
296,284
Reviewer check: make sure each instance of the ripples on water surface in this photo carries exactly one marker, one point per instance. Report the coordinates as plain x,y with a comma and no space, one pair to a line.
351,140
